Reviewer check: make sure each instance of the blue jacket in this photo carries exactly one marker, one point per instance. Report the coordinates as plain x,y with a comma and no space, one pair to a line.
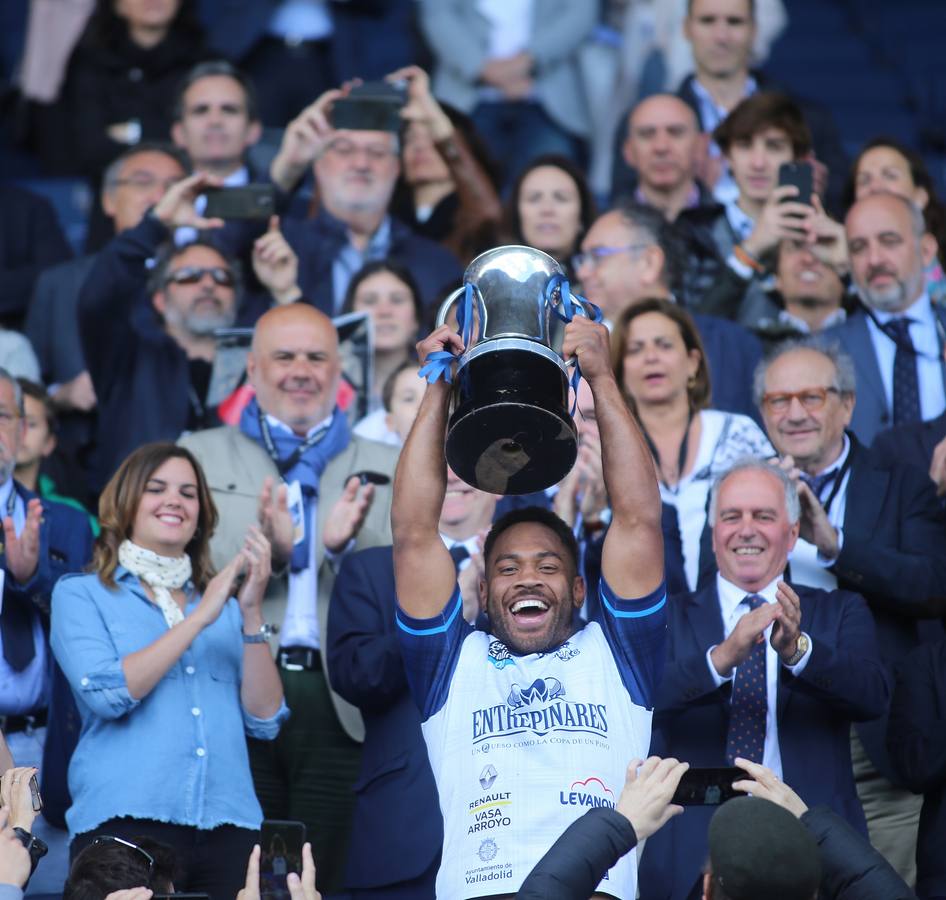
316,242
732,354
65,546
844,681
397,829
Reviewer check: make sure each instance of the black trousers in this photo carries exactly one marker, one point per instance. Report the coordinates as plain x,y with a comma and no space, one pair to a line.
208,861
308,773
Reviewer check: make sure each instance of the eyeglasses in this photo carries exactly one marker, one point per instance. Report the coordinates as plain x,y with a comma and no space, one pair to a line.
595,255
811,399
347,150
106,838
193,274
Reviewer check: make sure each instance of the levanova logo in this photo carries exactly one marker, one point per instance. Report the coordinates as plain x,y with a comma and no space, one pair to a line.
539,708
591,792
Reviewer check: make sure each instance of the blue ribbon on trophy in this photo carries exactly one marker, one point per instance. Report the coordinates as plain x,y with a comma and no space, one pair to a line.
510,431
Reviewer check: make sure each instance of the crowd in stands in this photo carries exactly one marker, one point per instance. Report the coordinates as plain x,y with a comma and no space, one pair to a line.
240,581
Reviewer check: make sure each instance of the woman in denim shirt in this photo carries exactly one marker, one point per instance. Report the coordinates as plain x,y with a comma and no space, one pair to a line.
166,686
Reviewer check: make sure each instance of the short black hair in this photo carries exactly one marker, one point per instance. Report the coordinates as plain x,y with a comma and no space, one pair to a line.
541,517
213,68
99,869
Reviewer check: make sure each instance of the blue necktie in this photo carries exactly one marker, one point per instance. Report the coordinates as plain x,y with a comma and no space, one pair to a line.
906,384
749,704
818,483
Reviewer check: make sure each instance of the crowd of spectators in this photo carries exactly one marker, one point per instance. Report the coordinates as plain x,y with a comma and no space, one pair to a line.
239,581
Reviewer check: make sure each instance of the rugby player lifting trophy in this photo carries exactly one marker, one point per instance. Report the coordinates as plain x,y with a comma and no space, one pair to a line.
510,431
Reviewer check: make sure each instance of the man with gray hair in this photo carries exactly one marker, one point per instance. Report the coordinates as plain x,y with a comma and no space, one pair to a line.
896,337
866,526
760,669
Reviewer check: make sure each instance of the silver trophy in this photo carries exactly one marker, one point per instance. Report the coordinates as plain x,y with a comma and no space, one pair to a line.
510,431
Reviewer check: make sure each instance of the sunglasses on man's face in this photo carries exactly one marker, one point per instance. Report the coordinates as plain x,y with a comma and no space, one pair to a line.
193,274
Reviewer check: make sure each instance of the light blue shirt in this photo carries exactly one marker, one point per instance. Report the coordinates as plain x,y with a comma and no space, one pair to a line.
24,691
177,755
732,608
350,259
929,358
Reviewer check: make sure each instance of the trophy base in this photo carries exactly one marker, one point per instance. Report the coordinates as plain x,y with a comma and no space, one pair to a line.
511,432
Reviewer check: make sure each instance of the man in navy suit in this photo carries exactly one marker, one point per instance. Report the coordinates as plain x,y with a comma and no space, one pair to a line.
866,526
397,829
760,669
896,338
41,541
630,254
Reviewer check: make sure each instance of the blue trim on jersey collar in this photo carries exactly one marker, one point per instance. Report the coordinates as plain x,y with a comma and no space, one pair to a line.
637,614
437,629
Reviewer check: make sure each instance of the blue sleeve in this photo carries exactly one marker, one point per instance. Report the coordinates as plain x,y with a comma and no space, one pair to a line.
636,631
84,650
431,648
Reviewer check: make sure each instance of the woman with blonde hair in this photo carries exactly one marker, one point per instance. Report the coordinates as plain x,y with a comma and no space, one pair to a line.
167,689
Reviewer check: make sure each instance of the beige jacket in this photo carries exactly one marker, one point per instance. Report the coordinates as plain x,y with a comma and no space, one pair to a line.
236,466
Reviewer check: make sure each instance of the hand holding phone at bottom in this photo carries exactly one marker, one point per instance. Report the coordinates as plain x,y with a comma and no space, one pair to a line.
763,782
299,888
646,799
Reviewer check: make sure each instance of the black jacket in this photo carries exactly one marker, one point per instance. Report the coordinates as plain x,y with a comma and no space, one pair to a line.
916,739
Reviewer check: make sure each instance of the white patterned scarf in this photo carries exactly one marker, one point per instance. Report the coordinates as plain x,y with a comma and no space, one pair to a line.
160,573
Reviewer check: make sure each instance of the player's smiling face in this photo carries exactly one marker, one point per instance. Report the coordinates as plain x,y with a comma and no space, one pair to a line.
531,590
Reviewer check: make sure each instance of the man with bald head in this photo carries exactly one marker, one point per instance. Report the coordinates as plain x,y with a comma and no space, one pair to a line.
293,467
896,337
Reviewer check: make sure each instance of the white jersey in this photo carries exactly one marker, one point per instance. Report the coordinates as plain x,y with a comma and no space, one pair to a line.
521,746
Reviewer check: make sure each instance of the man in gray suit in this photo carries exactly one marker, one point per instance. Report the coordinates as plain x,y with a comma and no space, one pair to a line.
896,338
293,466
133,183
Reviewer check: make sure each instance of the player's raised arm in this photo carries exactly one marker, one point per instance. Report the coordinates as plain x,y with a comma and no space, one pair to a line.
424,572
632,557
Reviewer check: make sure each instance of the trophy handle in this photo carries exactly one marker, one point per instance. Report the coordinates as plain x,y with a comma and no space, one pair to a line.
445,306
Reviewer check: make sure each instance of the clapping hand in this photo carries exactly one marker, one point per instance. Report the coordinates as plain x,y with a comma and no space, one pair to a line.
22,553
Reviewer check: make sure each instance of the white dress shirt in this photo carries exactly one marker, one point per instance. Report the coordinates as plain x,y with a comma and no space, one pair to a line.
732,608
300,624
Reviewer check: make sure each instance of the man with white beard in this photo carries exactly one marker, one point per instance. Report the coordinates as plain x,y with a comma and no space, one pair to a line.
897,337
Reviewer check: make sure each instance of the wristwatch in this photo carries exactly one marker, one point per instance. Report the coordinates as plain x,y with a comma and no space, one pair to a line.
36,848
266,631
801,648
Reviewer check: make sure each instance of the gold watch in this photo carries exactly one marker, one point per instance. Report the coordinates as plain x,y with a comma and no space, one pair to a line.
801,648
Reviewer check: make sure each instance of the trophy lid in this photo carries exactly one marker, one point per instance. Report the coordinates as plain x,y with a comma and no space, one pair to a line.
515,261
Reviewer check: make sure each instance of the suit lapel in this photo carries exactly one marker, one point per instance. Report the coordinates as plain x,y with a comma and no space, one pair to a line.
704,616
866,490
861,348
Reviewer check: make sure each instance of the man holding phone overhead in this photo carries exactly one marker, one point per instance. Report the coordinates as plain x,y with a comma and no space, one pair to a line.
761,670
356,164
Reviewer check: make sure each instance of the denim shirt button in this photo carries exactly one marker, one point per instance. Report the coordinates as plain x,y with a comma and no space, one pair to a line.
190,670
84,682
201,751
195,711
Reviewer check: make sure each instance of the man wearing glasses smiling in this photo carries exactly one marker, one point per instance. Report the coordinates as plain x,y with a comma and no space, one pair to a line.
866,527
